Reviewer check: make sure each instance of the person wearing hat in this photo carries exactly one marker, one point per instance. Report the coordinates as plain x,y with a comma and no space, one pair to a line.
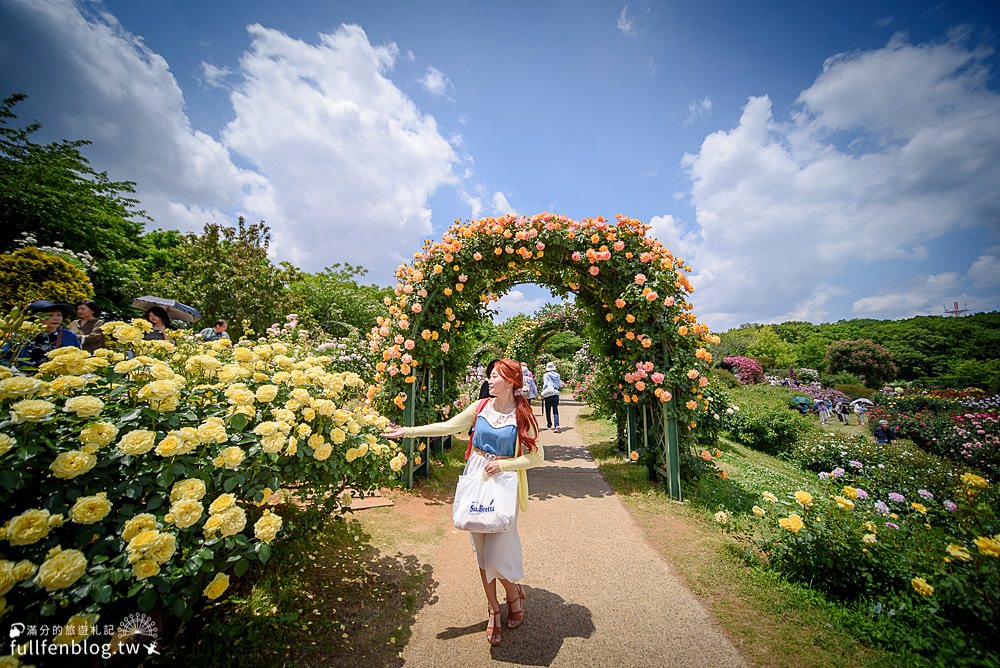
55,335
551,382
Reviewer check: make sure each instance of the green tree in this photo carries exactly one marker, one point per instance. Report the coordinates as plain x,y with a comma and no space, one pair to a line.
52,192
770,350
863,358
336,300
225,273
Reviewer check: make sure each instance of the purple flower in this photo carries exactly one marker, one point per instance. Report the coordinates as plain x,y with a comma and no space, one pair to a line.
862,494
823,475
951,506
891,525
898,498
837,472
856,464
881,507
924,493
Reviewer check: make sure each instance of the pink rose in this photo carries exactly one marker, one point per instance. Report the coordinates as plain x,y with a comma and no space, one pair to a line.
657,377
640,279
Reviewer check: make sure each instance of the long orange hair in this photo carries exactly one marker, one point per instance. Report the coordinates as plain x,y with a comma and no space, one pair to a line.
527,426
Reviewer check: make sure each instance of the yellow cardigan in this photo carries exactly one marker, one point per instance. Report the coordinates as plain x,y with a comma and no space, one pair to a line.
461,424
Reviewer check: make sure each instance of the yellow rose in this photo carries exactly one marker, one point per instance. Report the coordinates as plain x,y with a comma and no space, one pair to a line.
7,577
76,629
217,586
804,499
323,452
233,521
145,568
90,509
222,503
973,480
128,366
142,541
397,462
266,393
20,386
184,513
137,442
190,488
61,569
266,528
127,333
273,443
162,547
6,443
842,503
98,434
352,454
84,406
758,511
31,410
921,586
205,365
869,539
988,546
792,523
65,384
338,436
230,458
212,431
70,464
170,446
23,570
769,497
138,524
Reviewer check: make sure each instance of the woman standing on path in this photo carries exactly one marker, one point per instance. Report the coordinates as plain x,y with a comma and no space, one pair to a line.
504,439
551,384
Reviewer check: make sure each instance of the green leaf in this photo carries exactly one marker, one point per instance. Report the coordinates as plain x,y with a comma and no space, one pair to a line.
10,480
230,484
241,566
101,594
147,600
238,422
166,478
264,553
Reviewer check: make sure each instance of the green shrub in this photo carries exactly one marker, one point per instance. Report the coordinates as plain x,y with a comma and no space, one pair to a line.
855,391
842,378
29,274
762,419
725,377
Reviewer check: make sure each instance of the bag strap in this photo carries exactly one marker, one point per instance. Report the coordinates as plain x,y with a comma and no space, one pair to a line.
479,409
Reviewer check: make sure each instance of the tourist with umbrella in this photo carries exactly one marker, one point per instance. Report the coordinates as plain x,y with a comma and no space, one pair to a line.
861,407
160,311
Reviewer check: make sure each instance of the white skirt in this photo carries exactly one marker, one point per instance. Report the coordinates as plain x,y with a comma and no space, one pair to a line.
499,554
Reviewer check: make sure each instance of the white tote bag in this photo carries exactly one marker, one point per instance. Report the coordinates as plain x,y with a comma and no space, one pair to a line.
485,504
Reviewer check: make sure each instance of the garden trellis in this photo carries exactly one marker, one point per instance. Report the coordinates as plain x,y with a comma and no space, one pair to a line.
634,291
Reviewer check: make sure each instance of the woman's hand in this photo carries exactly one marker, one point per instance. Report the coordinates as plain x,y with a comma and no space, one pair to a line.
395,434
492,467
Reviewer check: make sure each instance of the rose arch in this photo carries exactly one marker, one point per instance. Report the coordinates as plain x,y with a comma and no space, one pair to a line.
634,291
551,319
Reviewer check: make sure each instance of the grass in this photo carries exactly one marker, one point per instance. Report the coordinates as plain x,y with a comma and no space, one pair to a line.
774,622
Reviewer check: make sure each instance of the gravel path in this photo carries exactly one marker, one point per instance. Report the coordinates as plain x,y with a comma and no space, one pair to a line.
597,593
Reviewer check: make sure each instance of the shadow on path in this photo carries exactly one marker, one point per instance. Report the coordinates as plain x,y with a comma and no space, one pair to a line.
538,644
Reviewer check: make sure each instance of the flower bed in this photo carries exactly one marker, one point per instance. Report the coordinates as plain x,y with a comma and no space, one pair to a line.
147,481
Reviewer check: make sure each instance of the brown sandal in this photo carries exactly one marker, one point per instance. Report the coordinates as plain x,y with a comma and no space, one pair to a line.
494,629
515,619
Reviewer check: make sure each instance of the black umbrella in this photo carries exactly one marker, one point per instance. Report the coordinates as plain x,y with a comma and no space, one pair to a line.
174,309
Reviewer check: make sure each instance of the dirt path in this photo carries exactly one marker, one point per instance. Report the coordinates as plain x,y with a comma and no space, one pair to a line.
597,593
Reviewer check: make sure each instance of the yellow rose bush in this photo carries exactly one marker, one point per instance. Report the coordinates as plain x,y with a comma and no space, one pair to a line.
145,475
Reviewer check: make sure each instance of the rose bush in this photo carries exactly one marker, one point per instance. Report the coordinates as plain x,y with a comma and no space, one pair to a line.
147,475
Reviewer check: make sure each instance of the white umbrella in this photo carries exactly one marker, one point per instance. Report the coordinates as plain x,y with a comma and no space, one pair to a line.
175,310
863,401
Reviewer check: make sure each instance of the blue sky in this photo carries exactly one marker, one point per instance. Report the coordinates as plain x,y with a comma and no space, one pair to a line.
811,161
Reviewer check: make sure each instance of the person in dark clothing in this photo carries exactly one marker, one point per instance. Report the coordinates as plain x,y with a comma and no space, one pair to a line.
884,433
55,335
484,389
161,323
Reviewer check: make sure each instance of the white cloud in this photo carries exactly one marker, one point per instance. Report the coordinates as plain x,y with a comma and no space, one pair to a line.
883,154
516,302
95,80
883,21
213,76
697,109
626,24
435,82
922,297
985,271
501,207
351,158
334,156
475,204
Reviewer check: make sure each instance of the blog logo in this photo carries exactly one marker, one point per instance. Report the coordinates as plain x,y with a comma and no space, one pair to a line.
481,508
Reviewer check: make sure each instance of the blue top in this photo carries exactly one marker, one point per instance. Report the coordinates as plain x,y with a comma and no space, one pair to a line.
499,441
